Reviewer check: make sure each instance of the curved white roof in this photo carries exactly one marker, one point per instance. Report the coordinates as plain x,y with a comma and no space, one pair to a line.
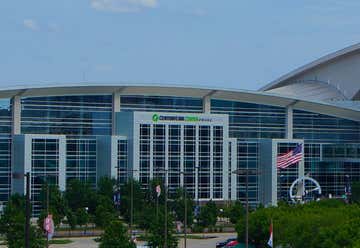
188,91
340,69
311,90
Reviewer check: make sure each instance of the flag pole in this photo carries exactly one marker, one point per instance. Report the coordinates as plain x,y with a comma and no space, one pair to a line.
272,232
157,207
270,243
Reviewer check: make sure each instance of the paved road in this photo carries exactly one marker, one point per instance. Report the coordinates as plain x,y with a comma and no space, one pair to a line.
206,243
87,242
191,243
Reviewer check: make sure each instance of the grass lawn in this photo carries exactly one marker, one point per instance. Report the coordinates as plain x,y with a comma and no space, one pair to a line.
60,241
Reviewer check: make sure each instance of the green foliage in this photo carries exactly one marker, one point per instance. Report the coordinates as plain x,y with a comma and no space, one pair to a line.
157,231
146,215
60,241
328,223
79,195
355,192
57,205
104,212
138,200
82,216
151,195
12,225
115,236
179,206
236,212
71,219
105,187
208,214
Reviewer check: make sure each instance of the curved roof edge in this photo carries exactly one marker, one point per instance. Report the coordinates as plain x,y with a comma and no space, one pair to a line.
322,60
267,98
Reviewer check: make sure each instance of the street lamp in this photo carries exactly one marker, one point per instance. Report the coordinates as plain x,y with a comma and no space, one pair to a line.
166,224
131,202
165,193
246,172
185,207
27,206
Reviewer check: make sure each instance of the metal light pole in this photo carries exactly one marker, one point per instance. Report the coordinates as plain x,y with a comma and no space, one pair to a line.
246,172
185,211
166,224
27,211
47,211
247,209
17,175
185,220
131,203
27,205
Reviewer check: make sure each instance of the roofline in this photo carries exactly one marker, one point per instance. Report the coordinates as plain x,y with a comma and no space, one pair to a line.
182,90
322,60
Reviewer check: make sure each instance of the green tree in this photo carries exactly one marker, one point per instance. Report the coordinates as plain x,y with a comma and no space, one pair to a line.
156,236
179,206
328,223
79,194
105,187
146,216
115,236
236,212
151,194
138,200
71,219
82,217
12,225
208,214
57,204
355,192
104,212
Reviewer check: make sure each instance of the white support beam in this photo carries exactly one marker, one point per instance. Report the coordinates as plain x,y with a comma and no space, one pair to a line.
16,115
289,122
206,104
115,109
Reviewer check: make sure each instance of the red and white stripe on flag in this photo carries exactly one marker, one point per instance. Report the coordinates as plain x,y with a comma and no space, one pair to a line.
289,158
270,242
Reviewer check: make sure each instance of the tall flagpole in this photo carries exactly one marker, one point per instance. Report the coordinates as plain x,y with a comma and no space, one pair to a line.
157,206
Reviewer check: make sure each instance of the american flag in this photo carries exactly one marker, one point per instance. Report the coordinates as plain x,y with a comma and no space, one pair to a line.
289,158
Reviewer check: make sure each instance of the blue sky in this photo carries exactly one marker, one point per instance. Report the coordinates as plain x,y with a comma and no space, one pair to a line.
228,43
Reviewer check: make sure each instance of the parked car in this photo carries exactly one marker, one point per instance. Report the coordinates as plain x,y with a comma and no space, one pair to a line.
222,244
232,243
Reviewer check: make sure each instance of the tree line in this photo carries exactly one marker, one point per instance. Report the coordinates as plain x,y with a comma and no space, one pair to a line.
327,223
81,205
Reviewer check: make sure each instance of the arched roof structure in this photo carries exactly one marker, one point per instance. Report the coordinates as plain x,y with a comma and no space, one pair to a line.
339,70
269,98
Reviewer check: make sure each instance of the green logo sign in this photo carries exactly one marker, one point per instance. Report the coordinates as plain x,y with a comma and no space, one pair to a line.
155,117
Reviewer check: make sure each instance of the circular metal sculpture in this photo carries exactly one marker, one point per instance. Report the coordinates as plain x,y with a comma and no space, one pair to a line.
304,189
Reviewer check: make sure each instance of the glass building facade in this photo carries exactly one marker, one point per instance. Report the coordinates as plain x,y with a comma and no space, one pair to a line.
189,149
44,168
5,149
69,115
81,159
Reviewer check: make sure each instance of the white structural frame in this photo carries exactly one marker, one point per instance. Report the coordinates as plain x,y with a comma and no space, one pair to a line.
216,120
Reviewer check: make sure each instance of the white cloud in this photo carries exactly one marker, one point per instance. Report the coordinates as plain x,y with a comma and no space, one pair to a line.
123,5
31,24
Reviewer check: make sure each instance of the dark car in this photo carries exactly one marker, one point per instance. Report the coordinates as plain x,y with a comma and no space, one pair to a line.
222,244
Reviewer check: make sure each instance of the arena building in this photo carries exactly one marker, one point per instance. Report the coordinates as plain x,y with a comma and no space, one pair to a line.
190,136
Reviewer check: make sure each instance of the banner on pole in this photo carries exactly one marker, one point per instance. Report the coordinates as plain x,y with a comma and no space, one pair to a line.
49,226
